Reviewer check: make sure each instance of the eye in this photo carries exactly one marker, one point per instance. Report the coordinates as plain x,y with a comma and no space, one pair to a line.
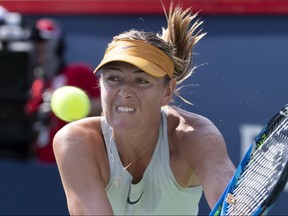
141,81
113,78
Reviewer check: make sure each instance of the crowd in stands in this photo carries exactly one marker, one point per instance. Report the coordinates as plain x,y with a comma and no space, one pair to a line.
46,69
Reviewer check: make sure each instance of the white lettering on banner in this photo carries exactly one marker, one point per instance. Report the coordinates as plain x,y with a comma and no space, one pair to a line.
247,133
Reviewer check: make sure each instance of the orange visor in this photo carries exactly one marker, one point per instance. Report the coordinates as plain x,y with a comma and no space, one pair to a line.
142,55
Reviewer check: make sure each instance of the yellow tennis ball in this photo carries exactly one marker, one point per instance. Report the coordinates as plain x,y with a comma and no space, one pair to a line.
70,103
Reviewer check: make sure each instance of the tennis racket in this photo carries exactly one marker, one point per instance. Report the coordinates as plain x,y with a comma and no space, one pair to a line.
261,175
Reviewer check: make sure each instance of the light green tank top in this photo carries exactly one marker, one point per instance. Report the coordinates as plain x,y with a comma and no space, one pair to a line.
158,192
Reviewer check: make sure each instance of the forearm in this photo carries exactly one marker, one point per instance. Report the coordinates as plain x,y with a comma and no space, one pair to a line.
215,184
78,207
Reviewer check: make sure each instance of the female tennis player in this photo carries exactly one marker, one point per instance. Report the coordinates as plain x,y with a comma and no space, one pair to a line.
144,156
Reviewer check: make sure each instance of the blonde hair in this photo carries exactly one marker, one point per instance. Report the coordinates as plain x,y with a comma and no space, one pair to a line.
177,40
182,35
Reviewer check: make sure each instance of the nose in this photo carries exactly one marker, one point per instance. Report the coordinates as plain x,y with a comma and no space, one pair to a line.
126,91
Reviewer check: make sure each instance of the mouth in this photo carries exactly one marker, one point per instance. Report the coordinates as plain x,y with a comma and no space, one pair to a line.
125,109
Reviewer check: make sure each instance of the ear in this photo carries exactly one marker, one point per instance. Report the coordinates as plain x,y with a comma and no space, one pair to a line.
169,92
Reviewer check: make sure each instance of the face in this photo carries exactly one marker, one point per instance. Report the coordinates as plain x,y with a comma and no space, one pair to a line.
46,57
131,98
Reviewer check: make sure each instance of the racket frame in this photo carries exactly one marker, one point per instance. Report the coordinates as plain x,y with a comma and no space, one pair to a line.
221,204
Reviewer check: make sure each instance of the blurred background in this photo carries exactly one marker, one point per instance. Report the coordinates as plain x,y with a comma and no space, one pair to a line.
239,83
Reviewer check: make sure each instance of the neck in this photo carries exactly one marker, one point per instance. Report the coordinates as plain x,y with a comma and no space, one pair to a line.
135,145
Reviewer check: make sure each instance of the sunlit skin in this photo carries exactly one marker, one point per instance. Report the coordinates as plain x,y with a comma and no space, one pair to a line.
132,102
191,151
131,98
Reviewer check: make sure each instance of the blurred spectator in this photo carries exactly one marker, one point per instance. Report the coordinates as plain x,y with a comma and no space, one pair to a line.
51,72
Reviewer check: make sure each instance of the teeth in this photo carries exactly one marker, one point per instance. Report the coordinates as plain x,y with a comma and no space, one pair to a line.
125,109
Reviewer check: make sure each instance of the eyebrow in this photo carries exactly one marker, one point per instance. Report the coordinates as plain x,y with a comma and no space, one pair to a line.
118,68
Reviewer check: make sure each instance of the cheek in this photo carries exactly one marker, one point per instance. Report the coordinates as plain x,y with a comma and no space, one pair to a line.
152,101
156,95
104,97
107,96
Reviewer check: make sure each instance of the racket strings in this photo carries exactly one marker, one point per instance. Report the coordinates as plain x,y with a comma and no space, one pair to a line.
261,173
253,187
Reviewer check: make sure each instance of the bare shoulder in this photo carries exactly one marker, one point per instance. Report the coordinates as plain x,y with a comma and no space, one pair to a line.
194,136
81,142
186,124
200,147
79,134
83,165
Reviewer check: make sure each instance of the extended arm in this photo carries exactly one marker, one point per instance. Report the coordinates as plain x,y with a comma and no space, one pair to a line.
204,150
213,165
78,158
